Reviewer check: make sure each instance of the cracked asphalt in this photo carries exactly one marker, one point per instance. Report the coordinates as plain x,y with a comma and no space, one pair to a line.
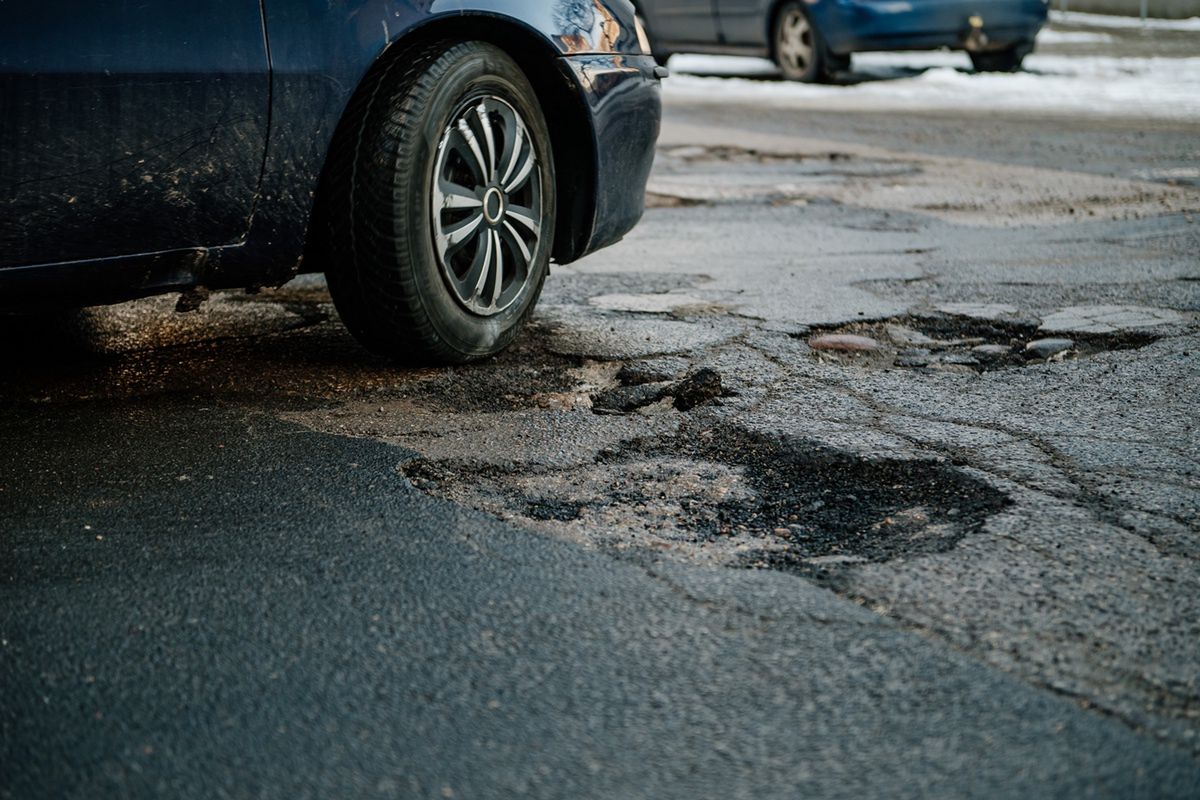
785,495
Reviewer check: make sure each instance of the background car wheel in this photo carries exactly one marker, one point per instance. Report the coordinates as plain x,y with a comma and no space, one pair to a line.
799,50
437,206
1008,60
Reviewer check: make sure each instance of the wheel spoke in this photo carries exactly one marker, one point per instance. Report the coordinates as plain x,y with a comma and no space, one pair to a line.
485,264
524,216
448,196
498,272
515,241
476,272
524,170
473,143
489,138
516,141
454,237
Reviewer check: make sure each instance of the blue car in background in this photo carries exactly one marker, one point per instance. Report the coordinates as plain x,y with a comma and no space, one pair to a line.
813,40
430,156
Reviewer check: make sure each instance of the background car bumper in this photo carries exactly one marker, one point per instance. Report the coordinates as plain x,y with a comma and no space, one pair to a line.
860,25
622,95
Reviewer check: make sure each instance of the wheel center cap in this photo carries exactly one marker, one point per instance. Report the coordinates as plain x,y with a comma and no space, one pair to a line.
493,206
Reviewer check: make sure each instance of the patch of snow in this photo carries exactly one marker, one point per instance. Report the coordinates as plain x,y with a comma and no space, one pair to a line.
1052,36
1184,174
1082,20
1164,88
721,65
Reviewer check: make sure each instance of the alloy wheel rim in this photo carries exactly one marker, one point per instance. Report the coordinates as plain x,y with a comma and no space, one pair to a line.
795,45
486,205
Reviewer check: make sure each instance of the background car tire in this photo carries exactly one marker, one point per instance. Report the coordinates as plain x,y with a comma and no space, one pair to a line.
408,282
798,47
1008,60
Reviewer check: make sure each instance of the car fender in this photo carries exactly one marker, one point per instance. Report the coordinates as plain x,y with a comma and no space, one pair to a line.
320,51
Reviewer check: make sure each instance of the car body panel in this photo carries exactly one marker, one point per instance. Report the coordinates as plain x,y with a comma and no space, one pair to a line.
625,106
129,116
319,51
681,20
850,26
743,22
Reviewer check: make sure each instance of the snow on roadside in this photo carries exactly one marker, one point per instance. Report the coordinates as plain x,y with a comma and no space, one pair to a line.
1163,88
1053,36
1082,20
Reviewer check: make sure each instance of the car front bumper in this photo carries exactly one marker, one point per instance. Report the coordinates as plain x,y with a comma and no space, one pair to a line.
622,94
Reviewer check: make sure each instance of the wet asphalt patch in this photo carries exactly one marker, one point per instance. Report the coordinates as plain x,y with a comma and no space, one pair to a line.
526,375
953,343
819,509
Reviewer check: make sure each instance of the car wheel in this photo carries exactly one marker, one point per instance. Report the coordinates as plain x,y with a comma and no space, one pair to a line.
438,205
1008,60
799,49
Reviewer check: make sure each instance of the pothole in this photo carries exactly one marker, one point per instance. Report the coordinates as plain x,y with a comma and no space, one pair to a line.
694,175
952,343
736,498
847,163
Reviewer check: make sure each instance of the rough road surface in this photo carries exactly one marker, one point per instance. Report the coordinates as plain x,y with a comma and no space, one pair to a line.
867,466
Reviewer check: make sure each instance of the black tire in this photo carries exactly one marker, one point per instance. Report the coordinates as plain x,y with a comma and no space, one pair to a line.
1007,60
391,276
798,47
836,63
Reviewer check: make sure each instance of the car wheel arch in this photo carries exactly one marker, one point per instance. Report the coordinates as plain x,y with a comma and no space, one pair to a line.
571,135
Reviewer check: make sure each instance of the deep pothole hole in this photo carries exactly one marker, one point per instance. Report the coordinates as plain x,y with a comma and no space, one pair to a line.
960,344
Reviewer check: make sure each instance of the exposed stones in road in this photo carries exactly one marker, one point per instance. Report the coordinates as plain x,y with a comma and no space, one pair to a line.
1049,348
844,342
960,343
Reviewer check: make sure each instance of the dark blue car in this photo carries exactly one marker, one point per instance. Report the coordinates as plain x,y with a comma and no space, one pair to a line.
430,156
812,40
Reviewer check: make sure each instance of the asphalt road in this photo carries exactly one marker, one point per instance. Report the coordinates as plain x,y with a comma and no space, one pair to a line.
242,558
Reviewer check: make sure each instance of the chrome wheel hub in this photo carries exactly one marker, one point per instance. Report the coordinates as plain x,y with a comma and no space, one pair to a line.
486,205
493,206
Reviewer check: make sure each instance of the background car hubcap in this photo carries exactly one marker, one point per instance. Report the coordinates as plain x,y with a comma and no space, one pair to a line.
795,45
487,205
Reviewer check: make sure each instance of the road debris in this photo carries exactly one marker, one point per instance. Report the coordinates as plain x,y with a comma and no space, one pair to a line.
844,342
1048,348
